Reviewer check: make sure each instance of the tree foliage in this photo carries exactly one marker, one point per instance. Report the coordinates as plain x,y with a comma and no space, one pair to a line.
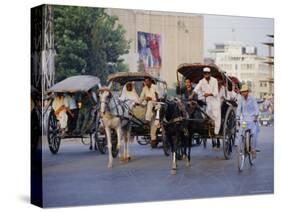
88,41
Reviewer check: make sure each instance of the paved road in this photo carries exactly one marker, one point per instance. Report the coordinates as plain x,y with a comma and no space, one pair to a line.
77,176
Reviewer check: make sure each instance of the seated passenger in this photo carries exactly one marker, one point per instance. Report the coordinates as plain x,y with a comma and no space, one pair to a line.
129,93
72,110
60,108
185,93
84,116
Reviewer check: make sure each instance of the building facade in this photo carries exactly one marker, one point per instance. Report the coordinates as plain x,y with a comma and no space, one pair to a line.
160,41
242,61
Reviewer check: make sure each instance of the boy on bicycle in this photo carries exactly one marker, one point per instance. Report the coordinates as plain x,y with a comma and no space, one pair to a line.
248,111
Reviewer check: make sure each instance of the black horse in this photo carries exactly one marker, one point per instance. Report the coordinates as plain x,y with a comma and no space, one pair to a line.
177,137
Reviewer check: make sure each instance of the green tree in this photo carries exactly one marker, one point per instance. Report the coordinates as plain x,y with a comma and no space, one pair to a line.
88,41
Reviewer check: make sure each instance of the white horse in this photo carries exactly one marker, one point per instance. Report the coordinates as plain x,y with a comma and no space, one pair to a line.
112,115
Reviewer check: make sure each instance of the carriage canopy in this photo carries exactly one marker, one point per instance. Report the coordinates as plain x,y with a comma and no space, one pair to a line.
75,84
124,77
194,71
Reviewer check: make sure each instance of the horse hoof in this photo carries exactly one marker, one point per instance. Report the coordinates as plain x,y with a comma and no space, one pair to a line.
187,164
121,158
109,166
173,172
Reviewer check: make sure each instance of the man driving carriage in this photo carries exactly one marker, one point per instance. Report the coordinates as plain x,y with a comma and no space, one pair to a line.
148,97
208,86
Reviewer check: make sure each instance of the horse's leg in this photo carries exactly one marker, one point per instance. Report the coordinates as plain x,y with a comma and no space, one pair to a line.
119,137
173,142
109,146
189,150
127,144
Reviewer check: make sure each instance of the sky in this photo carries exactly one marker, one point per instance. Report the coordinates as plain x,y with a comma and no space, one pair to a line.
249,30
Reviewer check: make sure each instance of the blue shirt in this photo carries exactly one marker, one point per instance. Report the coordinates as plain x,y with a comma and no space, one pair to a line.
248,109
70,102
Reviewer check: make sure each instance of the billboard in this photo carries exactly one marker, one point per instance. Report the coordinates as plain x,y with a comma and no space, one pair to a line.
149,50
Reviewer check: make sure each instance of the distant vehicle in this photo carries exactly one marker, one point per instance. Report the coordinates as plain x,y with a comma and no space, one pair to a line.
266,119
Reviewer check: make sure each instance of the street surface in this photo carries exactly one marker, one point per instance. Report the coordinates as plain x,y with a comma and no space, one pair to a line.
78,176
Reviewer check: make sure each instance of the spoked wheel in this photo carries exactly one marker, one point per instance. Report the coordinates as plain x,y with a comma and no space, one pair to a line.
250,155
229,130
143,141
102,145
241,155
85,142
54,139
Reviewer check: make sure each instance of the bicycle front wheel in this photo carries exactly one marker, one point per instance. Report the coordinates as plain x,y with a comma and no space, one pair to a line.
248,138
241,155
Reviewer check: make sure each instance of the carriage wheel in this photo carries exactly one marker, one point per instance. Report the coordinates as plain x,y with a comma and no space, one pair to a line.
229,130
143,141
102,145
54,139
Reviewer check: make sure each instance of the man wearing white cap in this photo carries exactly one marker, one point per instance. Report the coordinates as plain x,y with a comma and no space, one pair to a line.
208,86
248,111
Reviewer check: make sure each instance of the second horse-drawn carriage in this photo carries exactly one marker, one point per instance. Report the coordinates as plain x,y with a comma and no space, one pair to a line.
81,122
203,126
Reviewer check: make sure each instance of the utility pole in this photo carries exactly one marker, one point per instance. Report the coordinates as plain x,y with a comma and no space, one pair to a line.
42,47
270,62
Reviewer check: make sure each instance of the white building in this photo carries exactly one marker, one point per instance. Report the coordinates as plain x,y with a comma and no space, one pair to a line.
242,61
181,39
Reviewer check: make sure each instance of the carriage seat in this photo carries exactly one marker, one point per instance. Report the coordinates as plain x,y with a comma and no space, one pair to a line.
139,111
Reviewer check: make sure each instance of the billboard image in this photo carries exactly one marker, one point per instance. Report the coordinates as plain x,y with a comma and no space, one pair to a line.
149,49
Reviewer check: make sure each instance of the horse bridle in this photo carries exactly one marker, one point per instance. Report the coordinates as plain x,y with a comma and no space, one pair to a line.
107,102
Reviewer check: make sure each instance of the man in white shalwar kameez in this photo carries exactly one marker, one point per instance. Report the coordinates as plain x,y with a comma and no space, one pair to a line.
208,86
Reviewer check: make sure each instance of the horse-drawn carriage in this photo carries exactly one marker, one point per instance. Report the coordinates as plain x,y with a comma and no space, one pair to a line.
78,87
123,117
203,126
139,127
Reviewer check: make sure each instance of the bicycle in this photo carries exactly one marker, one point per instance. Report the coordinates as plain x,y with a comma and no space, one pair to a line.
244,147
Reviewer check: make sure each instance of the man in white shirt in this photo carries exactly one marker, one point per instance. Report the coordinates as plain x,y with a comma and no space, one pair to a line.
148,97
208,86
